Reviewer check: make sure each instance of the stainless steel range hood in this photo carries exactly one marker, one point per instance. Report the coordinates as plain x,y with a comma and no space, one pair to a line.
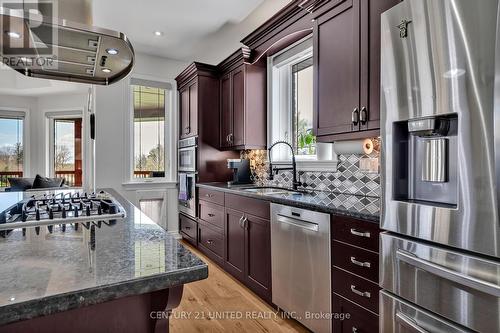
57,41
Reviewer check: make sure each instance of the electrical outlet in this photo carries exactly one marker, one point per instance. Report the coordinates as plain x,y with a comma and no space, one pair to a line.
369,164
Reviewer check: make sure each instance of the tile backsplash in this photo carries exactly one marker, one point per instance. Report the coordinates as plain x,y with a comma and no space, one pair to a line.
347,179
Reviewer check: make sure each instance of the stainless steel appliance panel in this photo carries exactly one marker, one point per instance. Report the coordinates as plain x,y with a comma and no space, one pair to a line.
301,264
462,288
398,316
188,207
438,58
188,154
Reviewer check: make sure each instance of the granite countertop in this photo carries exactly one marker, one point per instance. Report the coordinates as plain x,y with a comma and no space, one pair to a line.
54,272
362,207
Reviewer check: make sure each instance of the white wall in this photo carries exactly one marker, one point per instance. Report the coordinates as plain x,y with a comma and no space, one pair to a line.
112,141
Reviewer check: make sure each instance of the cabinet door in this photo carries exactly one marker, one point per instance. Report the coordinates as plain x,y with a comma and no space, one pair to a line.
258,255
359,320
336,69
184,112
226,111
370,61
235,244
193,109
238,106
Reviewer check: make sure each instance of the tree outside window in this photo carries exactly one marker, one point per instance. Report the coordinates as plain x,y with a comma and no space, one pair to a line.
149,132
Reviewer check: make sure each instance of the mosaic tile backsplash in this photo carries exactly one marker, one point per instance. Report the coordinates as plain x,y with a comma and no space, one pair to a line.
347,179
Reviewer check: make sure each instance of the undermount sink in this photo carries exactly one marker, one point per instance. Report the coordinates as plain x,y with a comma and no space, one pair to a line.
271,190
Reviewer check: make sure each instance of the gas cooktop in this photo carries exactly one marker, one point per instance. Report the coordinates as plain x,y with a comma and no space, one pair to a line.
61,208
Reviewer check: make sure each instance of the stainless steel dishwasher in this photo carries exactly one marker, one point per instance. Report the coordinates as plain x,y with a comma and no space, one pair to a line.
301,275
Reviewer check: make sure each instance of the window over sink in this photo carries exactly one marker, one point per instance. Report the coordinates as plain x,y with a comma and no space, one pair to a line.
290,105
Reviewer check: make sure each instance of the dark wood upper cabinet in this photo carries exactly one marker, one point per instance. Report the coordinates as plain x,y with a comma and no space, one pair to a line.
336,69
226,114
243,102
199,109
347,68
370,71
189,110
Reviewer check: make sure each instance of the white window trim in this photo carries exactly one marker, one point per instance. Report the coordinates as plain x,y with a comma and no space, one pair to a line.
277,75
130,182
50,116
6,111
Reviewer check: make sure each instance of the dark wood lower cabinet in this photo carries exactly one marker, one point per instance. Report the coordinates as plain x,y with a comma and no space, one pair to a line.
355,319
211,242
248,251
235,244
188,229
258,255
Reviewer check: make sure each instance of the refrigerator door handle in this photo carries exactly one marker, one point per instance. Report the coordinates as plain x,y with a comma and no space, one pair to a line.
448,274
409,323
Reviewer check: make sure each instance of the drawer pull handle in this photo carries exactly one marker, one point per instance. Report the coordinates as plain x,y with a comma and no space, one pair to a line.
366,294
208,195
354,330
241,221
448,273
360,233
409,322
209,241
360,263
187,228
210,215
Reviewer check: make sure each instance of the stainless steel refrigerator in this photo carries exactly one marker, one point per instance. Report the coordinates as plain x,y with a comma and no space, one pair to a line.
440,254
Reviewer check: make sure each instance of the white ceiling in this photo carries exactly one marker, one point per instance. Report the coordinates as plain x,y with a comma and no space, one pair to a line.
193,30
200,30
16,84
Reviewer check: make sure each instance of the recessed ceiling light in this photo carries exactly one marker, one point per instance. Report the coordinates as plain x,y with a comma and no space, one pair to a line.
158,33
112,51
13,34
106,70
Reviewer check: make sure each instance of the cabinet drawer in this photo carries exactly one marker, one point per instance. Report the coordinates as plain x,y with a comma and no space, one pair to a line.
356,289
356,232
216,197
358,261
213,214
359,321
188,226
212,240
255,207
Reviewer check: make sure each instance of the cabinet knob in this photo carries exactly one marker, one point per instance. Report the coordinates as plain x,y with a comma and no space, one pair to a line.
355,116
363,118
230,137
209,241
210,215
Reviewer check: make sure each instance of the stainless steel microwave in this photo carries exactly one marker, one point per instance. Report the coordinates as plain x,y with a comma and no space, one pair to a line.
187,154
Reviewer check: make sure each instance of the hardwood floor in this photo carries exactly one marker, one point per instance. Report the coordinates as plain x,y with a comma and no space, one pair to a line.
222,304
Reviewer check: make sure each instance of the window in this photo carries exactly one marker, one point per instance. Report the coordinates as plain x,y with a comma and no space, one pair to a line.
150,101
11,148
67,161
290,103
303,140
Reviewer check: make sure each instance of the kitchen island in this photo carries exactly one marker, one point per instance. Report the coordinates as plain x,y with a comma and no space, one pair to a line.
122,276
